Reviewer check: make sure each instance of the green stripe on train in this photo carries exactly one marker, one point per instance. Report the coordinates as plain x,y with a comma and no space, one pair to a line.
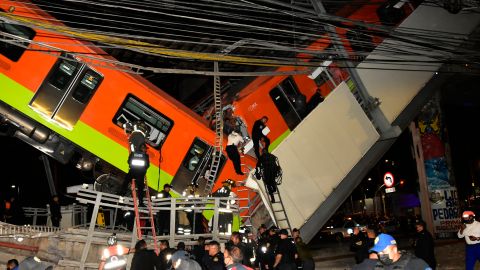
87,137
278,140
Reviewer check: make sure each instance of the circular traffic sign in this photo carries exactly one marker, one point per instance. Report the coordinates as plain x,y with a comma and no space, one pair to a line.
388,179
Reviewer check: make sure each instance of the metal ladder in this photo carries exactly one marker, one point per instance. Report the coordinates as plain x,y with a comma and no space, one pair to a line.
149,217
218,147
281,218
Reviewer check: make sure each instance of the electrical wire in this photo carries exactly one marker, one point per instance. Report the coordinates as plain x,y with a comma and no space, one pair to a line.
223,44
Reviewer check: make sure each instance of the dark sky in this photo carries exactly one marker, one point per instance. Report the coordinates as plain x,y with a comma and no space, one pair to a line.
21,166
461,105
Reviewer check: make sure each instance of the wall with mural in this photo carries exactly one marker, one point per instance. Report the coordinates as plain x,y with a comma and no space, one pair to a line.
440,179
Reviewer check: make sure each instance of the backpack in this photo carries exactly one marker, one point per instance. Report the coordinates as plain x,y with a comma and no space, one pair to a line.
268,169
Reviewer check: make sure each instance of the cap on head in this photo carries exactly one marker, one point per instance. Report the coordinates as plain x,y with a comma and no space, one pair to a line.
382,242
283,231
467,214
420,222
167,185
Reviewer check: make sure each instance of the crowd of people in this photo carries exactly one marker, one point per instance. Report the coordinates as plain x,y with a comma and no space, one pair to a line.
271,249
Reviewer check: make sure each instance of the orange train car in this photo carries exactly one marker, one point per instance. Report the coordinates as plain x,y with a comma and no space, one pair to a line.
275,97
64,106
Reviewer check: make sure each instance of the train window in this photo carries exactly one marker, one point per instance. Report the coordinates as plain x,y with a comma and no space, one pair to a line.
11,51
195,155
284,96
88,84
289,87
133,110
63,74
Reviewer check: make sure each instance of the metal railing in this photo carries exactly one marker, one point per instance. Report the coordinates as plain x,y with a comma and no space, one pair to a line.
72,215
25,231
221,209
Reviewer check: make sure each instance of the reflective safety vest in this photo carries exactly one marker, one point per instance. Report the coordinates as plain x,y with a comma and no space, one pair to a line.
113,251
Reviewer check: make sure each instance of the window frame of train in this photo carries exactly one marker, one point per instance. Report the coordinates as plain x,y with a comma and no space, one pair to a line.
66,91
280,97
139,110
11,51
197,175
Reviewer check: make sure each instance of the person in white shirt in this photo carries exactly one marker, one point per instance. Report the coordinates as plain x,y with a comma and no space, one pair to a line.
235,140
470,230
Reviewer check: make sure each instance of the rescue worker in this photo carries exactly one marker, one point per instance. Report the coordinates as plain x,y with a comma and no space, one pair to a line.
236,240
165,254
257,134
190,213
225,216
424,245
470,230
233,258
113,249
234,143
271,246
137,139
163,216
285,253
389,257
268,169
214,260
261,247
359,245
144,259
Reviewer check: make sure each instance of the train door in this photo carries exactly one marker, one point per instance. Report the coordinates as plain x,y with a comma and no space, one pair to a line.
66,91
284,96
195,166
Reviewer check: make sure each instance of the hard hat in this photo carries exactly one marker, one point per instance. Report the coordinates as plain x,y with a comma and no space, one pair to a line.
112,240
467,214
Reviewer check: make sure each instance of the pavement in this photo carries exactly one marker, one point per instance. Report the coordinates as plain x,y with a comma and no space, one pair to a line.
450,255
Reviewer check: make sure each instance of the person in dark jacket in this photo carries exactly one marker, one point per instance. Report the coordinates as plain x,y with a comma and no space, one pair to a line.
388,257
214,260
165,255
268,169
55,211
304,254
236,240
163,216
198,250
144,259
233,257
359,243
257,134
424,245
285,253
